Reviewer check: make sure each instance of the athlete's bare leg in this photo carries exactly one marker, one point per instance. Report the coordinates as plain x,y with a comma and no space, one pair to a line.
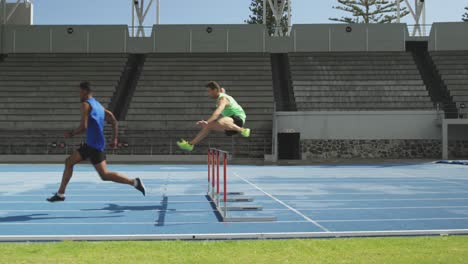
106,175
70,162
222,124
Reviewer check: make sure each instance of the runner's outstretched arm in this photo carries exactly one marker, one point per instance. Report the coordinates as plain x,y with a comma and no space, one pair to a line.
115,127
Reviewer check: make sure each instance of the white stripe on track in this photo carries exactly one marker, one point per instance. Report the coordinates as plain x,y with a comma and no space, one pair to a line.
283,203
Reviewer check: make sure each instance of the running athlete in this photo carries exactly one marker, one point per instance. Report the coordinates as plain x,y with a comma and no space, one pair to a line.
231,122
93,115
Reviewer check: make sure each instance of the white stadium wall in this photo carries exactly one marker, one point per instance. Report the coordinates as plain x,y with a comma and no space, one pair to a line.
361,124
449,36
66,39
203,39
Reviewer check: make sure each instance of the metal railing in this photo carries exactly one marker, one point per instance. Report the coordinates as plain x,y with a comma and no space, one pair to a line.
420,30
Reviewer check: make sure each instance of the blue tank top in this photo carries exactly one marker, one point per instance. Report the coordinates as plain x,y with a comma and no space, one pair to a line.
95,132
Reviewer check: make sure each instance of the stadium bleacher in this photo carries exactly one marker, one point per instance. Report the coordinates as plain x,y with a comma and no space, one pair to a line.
357,81
171,96
39,97
453,68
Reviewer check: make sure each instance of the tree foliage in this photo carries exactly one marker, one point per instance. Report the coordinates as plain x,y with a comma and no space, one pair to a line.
256,7
369,11
465,16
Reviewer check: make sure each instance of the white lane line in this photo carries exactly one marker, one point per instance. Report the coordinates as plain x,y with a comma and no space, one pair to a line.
370,200
308,194
241,223
383,208
146,223
395,219
282,203
259,198
125,210
450,182
264,209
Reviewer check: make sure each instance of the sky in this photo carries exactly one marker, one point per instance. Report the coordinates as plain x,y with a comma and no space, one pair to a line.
208,11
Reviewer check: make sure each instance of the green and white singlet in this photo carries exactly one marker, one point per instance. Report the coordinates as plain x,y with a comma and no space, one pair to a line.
233,108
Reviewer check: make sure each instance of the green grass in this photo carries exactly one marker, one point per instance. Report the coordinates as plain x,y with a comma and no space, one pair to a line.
418,250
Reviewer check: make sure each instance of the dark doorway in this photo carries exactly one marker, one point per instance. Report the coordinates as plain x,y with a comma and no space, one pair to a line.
289,146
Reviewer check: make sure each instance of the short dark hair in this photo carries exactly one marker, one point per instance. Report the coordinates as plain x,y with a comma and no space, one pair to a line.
213,85
85,86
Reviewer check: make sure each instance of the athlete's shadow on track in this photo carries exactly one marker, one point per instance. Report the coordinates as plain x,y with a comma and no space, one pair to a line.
160,209
34,217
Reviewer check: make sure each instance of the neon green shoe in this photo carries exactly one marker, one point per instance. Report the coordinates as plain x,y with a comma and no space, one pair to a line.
245,132
184,145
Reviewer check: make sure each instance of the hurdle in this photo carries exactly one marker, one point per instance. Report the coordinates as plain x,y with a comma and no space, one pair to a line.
224,200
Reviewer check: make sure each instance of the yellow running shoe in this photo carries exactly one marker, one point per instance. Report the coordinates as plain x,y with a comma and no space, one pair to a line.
245,132
184,145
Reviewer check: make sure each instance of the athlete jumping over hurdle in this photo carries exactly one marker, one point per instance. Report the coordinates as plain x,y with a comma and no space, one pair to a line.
231,122
93,115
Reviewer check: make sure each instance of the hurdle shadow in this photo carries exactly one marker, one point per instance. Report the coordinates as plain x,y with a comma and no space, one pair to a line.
161,209
35,217
215,210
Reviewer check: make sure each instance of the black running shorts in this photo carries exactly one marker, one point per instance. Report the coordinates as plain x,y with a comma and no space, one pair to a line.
238,121
94,155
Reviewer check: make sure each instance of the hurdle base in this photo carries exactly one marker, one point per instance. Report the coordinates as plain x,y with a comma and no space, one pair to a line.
241,208
248,219
232,193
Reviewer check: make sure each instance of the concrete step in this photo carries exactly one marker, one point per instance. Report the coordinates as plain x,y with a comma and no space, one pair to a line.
449,53
240,64
454,71
460,98
202,83
41,118
356,78
57,94
455,77
80,74
222,79
213,69
35,111
188,111
215,74
194,105
55,100
457,82
376,88
362,99
63,78
451,67
198,99
398,67
173,87
360,93
62,64
57,90
320,72
206,59
451,62
191,93
63,59
459,92
187,118
352,54
459,87
365,106
361,82
350,63
42,105
169,125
